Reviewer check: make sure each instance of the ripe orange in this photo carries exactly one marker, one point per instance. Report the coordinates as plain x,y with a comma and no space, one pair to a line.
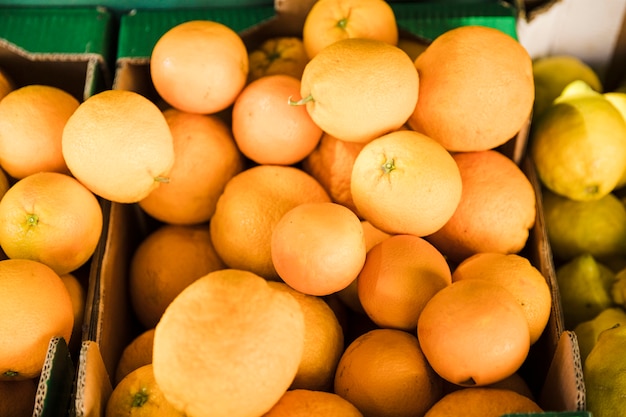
358,89
384,373
406,183
476,88
52,218
266,128
278,55
323,341
520,277
331,20
496,211
252,203
228,345
483,402
17,398
6,84
318,248
166,262
199,66
350,295
400,275
37,307
32,119
78,296
307,403
206,158
474,333
138,394
331,164
137,353
119,145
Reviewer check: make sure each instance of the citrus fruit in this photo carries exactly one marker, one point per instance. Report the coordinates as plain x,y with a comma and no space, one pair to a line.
331,164
520,277
318,248
453,69
596,227
37,307
618,100
228,345
252,203
277,55
166,261
483,402
6,83
474,333
405,183
358,89
384,373
17,398
266,128
578,144
587,331
32,119
52,218
79,297
323,341
329,21
306,403
496,211
553,73
119,145
401,273
206,157
5,183
137,353
199,66
138,394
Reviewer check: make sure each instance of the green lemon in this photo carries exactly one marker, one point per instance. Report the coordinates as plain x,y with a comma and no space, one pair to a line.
553,73
604,372
585,289
596,227
578,144
587,332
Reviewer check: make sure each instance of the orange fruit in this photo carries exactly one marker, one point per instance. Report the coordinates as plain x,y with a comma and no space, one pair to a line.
483,402
405,183
206,157
307,403
137,353
473,98
252,203
37,307
277,55
318,248
520,277
119,145
6,83
329,21
323,341
32,119
331,164
228,345
358,89
199,66
17,398
474,333
166,261
52,218
496,211
266,128
138,394
5,183
400,275
350,295
78,296
384,373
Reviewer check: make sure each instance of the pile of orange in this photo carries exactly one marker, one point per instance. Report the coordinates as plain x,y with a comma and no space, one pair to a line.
336,225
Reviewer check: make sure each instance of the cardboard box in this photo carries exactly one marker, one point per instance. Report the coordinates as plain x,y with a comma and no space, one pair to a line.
553,368
68,49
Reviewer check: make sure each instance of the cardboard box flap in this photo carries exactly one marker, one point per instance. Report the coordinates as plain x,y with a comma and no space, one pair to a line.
93,386
54,389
